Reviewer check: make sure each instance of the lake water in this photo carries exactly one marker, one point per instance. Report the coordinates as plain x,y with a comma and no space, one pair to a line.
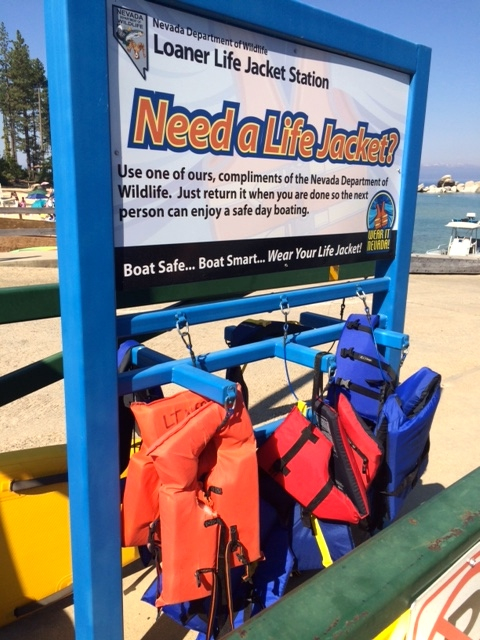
434,211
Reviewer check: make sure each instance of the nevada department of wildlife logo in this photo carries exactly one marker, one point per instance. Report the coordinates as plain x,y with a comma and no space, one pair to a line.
380,220
130,30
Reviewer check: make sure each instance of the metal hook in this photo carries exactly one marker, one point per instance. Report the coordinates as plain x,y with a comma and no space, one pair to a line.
229,405
285,309
361,294
284,306
183,330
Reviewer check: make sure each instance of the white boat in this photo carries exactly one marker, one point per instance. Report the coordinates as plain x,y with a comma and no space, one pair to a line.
460,255
464,240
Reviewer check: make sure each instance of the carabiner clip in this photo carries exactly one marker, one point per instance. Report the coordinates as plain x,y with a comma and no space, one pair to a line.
361,294
183,330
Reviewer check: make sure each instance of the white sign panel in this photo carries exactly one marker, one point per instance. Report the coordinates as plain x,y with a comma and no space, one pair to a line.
235,153
450,608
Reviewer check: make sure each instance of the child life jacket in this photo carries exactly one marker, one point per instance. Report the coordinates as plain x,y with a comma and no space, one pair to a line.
327,467
208,499
404,428
361,370
140,497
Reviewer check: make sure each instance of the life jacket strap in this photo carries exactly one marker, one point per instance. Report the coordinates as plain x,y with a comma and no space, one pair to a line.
307,435
352,386
221,603
200,572
153,546
366,359
235,545
411,479
320,496
153,543
357,326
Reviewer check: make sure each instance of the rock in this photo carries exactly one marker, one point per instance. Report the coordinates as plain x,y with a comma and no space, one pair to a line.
446,181
447,184
471,187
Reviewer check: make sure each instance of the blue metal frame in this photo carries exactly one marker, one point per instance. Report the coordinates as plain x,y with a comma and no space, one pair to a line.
77,70
77,73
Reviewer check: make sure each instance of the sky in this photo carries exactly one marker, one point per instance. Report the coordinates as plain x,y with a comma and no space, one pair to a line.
451,30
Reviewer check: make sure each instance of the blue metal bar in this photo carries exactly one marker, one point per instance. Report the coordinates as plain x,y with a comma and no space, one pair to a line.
157,368
303,355
206,384
79,115
391,339
265,430
316,320
149,322
142,356
393,304
289,19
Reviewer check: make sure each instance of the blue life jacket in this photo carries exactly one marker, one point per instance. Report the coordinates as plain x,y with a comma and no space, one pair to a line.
361,371
404,429
401,415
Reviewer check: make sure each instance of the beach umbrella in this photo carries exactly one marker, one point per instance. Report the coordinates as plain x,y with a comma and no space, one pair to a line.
37,194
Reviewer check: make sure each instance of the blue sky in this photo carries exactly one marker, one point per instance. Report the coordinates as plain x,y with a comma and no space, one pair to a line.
452,30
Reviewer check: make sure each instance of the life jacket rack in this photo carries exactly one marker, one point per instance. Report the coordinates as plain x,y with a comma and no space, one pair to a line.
151,368
299,342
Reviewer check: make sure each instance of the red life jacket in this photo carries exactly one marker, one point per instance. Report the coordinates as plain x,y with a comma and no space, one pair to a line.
326,468
297,455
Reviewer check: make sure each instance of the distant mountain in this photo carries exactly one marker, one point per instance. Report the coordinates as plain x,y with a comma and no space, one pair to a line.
431,174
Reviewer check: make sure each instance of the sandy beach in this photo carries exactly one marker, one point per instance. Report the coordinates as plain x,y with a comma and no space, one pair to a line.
442,320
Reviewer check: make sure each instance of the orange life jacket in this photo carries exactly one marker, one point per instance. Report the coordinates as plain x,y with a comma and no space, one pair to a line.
207,487
140,498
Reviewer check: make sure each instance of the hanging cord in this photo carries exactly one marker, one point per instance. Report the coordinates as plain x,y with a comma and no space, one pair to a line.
183,330
285,308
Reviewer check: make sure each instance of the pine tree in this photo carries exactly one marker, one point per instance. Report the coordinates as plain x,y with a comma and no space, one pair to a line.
5,95
23,104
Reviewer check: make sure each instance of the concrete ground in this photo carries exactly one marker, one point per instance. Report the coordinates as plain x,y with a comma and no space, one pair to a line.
442,320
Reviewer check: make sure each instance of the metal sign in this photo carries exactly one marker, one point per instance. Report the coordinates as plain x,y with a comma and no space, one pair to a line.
450,608
235,153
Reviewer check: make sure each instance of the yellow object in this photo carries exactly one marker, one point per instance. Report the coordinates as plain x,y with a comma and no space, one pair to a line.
321,542
334,273
34,530
302,407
